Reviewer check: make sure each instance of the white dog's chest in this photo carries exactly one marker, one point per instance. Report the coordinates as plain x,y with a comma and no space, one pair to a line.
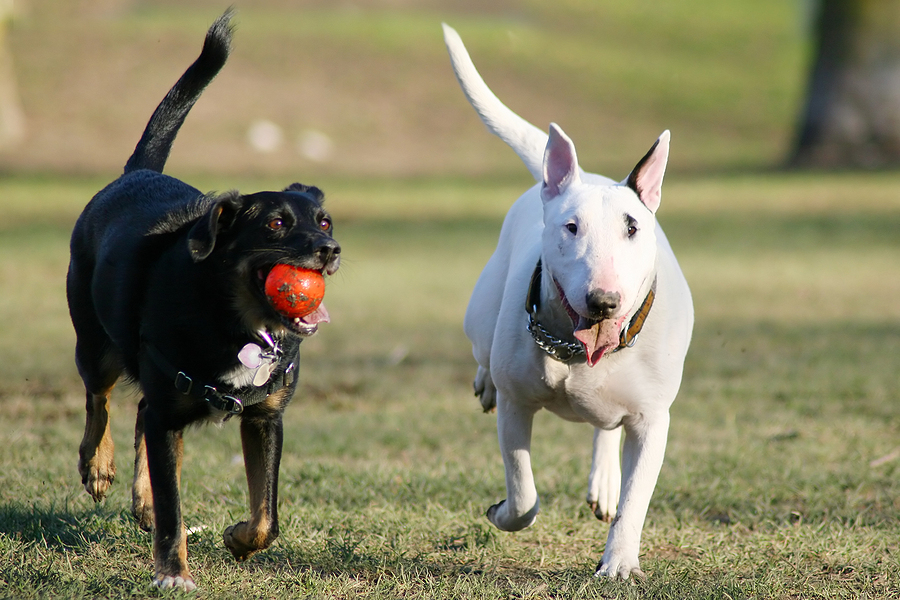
583,394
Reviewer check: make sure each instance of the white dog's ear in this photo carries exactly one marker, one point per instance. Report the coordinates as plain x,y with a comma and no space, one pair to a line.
560,164
647,177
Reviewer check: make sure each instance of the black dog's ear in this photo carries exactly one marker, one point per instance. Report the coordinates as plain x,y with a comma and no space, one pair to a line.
220,217
310,190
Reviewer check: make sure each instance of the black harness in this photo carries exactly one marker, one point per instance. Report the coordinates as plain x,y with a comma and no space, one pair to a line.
231,400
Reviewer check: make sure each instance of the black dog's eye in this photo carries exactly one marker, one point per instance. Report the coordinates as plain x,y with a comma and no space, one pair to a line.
325,224
275,224
572,227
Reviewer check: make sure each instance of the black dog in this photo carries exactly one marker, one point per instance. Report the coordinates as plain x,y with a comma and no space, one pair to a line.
166,285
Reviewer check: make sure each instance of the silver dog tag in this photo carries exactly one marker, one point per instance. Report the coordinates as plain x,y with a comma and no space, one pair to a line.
263,373
262,362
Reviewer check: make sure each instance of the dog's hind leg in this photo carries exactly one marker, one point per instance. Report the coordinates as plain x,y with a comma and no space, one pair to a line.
141,492
99,366
605,480
485,390
262,436
95,454
520,509
100,371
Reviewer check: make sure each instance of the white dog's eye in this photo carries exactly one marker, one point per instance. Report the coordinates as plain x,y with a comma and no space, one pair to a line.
631,227
572,227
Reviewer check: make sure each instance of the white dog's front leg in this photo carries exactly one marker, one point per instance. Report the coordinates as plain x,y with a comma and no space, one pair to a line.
520,508
642,458
605,480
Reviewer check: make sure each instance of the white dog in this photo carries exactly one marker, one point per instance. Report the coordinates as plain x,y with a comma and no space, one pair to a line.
581,267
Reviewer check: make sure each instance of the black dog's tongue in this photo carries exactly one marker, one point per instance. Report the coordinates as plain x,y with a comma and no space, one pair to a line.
320,315
597,337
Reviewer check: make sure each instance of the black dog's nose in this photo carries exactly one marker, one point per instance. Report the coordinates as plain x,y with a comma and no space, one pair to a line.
327,250
601,305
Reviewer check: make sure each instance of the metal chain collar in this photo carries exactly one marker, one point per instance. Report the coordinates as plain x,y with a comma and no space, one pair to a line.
555,347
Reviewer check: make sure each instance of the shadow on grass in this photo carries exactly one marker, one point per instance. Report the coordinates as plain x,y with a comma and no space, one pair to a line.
62,528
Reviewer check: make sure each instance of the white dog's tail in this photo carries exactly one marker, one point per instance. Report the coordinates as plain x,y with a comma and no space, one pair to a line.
525,139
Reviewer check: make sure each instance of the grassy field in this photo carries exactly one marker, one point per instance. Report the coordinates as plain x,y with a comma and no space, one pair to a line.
782,474
781,478
374,77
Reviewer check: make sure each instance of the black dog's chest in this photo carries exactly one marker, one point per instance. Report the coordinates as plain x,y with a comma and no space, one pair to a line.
227,391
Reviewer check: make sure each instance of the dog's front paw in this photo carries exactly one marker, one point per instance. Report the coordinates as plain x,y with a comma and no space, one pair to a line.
500,516
619,567
244,542
97,476
174,582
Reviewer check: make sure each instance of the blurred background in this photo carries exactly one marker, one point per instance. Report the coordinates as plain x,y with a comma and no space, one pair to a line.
363,88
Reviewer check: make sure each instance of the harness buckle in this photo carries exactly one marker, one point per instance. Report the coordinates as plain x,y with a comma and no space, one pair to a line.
183,383
234,405
224,402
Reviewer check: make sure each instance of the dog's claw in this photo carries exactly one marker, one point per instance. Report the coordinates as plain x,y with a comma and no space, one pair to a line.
97,480
176,582
620,571
622,574
601,515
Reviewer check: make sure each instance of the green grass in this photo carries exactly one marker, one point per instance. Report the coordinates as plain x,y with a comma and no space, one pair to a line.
781,477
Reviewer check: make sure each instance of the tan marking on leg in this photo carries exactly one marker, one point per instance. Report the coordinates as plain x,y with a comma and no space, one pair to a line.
248,537
95,462
261,457
141,492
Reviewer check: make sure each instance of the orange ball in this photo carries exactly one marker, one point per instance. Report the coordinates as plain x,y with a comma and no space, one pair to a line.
294,292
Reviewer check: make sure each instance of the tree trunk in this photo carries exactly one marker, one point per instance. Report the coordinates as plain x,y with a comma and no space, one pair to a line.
852,113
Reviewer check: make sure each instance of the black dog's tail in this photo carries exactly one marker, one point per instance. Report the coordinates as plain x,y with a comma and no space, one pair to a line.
152,150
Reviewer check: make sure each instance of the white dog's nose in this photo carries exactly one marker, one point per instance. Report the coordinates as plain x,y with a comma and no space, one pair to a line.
601,305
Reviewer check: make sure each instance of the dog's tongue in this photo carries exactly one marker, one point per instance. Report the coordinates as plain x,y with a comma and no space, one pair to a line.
597,337
320,315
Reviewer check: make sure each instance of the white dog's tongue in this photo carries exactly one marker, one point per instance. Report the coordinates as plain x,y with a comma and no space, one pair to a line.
320,315
598,337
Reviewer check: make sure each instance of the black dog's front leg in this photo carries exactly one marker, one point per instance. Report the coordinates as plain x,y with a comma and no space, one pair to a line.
165,448
261,437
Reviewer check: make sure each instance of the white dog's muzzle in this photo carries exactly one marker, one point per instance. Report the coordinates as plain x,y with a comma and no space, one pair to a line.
574,351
